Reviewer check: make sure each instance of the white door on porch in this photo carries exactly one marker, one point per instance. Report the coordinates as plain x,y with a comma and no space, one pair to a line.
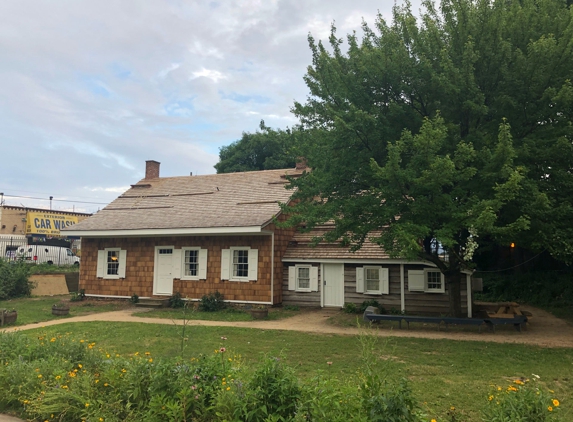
333,284
163,276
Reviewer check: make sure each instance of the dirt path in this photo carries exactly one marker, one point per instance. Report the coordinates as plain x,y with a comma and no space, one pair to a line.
544,329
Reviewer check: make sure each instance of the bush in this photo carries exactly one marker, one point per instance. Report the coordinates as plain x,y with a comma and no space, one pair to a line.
350,308
371,302
14,279
134,298
212,302
78,296
176,301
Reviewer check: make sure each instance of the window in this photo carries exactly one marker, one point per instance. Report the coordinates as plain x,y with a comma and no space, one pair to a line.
372,280
111,263
434,281
191,263
112,267
239,264
428,280
303,278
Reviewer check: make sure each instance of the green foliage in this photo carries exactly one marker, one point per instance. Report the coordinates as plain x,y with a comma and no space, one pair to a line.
350,308
291,308
525,401
371,302
459,122
45,268
265,150
212,302
176,301
78,296
134,298
14,280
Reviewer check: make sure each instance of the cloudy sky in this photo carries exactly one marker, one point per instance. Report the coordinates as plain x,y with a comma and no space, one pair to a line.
90,89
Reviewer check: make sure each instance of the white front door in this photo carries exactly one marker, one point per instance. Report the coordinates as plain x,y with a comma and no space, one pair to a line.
163,275
333,284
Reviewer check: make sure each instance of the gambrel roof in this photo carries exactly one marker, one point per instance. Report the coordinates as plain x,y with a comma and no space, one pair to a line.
192,203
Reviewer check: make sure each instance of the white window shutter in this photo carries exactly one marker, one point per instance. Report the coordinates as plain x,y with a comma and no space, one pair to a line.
292,277
384,281
253,264
176,263
314,279
101,257
202,264
416,282
225,263
360,279
122,259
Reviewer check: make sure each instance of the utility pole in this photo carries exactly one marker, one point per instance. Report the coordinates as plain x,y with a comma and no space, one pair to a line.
51,197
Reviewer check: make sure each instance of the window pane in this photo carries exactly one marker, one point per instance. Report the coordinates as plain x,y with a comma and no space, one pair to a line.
112,262
434,280
372,279
240,263
304,278
191,263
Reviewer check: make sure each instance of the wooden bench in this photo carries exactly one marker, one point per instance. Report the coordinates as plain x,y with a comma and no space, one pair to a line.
518,321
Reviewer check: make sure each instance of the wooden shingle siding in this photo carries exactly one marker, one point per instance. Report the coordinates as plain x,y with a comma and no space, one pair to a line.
140,267
388,301
291,297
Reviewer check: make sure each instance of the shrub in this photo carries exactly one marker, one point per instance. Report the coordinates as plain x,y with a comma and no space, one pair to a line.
78,296
212,302
176,301
524,401
134,298
350,308
14,279
371,302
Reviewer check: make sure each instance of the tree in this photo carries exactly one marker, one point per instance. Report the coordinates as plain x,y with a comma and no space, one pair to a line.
485,87
265,150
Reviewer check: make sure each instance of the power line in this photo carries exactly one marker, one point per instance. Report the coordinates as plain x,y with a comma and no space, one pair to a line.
48,194
59,200
515,266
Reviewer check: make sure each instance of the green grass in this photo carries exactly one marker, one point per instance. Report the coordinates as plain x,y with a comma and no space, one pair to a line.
53,269
33,310
443,373
228,314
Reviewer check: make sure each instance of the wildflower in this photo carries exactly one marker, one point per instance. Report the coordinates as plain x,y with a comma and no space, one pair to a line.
555,402
223,338
87,405
82,341
105,384
222,350
196,397
58,377
147,353
518,382
452,408
490,398
65,387
80,365
329,363
96,381
124,370
40,376
433,420
100,419
193,387
224,383
136,353
228,388
550,408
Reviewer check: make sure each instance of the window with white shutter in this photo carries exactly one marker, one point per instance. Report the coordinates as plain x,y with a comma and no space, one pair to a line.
239,264
372,279
111,263
193,263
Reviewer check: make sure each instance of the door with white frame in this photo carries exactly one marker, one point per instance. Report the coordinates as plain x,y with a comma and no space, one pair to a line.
332,285
163,274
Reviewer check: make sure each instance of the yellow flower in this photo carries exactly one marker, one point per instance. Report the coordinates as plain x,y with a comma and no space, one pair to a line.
105,384
87,405
150,360
58,377
452,408
433,420
498,388
80,365
224,383
555,402
550,408
490,398
100,419
40,376
65,387
147,353
228,388
97,381
518,382
124,370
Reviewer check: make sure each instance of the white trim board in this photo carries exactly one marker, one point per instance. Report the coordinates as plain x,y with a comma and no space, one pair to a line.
167,232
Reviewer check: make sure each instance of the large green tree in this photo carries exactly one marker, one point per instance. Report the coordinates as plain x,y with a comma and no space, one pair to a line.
266,149
444,129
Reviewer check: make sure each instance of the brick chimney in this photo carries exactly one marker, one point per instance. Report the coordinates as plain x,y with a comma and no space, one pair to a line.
151,169
301,163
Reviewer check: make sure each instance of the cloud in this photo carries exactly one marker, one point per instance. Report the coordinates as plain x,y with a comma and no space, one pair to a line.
90,90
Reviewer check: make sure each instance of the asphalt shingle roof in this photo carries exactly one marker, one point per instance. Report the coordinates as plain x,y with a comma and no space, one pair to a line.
216,200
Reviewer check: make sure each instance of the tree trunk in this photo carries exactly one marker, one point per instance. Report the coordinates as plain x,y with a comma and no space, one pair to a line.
453,281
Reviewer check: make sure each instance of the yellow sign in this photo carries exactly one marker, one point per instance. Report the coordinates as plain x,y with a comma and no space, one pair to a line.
48,223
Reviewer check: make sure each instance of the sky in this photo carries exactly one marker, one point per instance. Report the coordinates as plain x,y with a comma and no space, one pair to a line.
91,89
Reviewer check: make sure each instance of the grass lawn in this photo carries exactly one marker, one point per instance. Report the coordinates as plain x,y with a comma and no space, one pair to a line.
228,314
443,373
39,309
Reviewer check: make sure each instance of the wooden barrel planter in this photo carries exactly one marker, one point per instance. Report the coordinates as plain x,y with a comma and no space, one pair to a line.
259,313
60,310
8,317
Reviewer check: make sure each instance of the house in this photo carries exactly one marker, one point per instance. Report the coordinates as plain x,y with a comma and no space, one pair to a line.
198,234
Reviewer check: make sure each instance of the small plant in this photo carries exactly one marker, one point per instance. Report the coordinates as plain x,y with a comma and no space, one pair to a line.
291,308
350,308
134,298
523,400
176,301
212,302
78,296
